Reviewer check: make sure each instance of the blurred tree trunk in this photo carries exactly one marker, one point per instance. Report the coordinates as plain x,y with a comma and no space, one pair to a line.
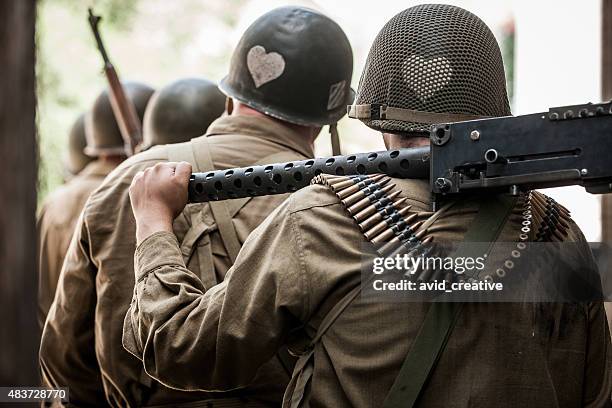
19,334
606,94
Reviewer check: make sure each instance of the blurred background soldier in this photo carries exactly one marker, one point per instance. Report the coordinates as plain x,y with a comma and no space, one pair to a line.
278,101
181,111
95,149
76,160
297,278
104,140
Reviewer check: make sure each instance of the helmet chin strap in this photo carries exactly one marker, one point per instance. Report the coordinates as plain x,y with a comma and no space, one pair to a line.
335,139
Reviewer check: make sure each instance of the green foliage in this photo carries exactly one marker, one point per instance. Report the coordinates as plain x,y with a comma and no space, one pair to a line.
117,13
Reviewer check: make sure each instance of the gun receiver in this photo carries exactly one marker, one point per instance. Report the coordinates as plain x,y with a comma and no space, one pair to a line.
123,108
565,146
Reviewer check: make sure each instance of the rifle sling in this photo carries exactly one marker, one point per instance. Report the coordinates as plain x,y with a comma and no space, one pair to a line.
441,317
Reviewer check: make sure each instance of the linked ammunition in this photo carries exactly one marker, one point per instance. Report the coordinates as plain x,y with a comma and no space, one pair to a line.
332,182
364,192
371,209
544,199
550,213
389,222
555,211
397,229
360,185
360,205
391,245
381,214
548,224
325,179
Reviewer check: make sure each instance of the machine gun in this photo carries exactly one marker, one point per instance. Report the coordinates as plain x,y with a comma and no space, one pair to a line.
123,108
565,146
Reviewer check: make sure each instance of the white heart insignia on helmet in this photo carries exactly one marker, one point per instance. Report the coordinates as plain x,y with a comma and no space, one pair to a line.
264,67
426,76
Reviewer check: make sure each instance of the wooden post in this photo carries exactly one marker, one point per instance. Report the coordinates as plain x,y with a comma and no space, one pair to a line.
19,335
606,94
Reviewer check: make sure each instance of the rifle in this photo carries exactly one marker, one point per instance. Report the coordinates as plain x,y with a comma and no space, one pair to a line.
568,145
123,108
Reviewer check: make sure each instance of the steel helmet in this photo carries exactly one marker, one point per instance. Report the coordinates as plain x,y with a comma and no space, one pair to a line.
431,63
181,111
103,134
294,64
76,159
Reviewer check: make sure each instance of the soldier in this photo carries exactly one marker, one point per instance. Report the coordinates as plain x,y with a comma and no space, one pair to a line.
181,111
297,278
102,152
282,90
76,159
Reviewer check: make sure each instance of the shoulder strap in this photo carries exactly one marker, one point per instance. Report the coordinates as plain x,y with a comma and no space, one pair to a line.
441,317
182,152
220,210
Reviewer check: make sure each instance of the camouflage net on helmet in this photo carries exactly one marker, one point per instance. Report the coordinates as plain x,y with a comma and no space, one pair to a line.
434,58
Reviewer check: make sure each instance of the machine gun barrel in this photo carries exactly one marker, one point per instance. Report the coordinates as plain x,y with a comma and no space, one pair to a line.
569,145
288,177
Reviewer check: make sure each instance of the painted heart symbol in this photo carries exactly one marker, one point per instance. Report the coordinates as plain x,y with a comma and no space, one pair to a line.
264,67
426,76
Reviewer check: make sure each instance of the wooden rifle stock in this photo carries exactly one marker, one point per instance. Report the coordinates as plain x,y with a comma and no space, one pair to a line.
123,108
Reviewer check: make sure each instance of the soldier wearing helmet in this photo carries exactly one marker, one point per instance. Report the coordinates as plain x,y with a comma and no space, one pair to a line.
95,149
278,102
76,159
181,111
298,277
104,140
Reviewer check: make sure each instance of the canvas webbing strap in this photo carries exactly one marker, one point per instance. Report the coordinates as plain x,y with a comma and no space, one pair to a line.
384,112
185,152
335,139
219,209
441,317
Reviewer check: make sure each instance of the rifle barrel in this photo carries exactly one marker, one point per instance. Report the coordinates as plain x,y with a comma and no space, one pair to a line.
123,108
93,22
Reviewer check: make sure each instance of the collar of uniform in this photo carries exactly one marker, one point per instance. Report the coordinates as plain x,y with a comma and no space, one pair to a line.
97,168
263,127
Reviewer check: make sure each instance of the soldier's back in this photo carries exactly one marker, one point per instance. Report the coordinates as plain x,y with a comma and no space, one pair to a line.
55,225
499,354
105,258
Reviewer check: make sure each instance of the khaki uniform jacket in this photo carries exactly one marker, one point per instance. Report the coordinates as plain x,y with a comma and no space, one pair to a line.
304,258
55,225
81,344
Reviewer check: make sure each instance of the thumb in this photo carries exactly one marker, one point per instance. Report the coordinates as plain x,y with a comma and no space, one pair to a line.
183,172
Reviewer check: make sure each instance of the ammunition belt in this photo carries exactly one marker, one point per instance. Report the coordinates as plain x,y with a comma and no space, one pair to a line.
382,217
543,220
387,222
